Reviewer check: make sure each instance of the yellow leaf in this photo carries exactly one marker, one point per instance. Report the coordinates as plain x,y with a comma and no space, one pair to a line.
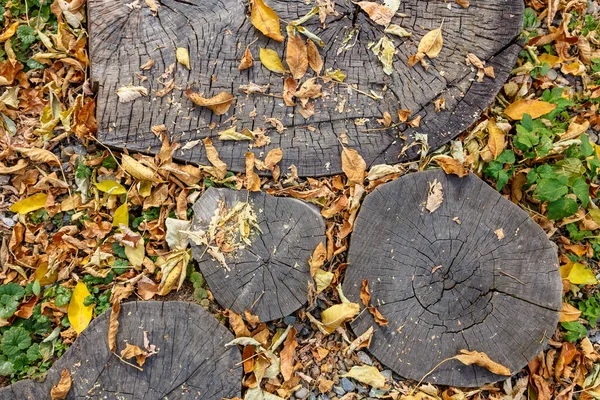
111,187
30,203
378,13
368,375
136,255
121,215
495,138
9,32
322,279
337,314
550,59
535,108
265,20
353,165
568,313
431,44
296,56
480,358
270,59
137,169
79,314
233,134
183,57
41,275
578,274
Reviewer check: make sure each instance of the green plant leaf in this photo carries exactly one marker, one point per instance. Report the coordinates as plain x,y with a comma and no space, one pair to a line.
575,331
562,208
550,189
14,341
582,190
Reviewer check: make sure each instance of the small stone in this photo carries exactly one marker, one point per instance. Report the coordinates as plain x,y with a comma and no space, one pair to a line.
289,320
348,385
387,374
339,390
364,358
301,393
377,393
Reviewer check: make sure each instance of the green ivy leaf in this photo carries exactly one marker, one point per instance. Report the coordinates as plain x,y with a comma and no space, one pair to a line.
575,331
550,189
586,147
582,190
562,208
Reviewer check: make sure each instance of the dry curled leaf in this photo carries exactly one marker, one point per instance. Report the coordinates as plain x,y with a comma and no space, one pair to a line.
137,169
495,138
430,45
220,168
481,359
252,178
130,93
569,313
451,165
247,60
368,375
265,20
378,13
287,355
61,389
353,165
183,57
435,197
337,314
218,104
314,58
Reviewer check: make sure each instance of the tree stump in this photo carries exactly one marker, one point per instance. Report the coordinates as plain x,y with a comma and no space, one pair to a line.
192,361
475,274
270,276
125,35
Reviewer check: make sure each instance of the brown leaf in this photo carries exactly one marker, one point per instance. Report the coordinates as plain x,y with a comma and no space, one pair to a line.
212,155
252,179
435,197
451,165
38,155
568,313
265,20
353,165
289,91
296,56
25,310
403,115
61,389
379,318
481,359
318,258
495,138
247,60
237,324
365,295
378,13
113,327
314,58
131,351
218,104
287,355
463,3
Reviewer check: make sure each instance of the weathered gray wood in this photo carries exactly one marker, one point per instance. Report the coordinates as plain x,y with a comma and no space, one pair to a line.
446,282
192,361
270,278
216,32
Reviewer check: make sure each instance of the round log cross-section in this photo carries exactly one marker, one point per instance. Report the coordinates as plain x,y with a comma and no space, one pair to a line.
475,274
268,274
192,361
134,44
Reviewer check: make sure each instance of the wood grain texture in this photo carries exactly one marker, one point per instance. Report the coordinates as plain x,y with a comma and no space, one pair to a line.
216,33
447,286
270,278
192,361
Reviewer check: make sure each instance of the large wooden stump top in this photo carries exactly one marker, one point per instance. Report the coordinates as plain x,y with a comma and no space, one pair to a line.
270,276
192,361
475,274
216,32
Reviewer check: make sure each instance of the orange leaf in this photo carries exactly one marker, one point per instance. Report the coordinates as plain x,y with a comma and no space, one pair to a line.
265,20
535,108
296,56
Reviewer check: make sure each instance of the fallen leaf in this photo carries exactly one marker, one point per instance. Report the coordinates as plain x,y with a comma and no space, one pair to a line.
62,388
247,60
481,359
569,313
218,104
113,326
29,204
111,187
430,45
9,32
451,165
378,317
322,279
237,324
337,314
463,3
233,134
183,57
378,13
265,20
137,169
79,314
130,93
435,197
397,30
271,61
131,351
314,58
578,274
38,155
296,56
318,258
121,215
535,109
365,295
252,178
496,142
287,355
368,375
499,233
353,165
213,157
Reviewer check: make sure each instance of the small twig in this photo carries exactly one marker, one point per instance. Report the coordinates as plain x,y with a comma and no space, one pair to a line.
128,363
357,90
429,373
513,277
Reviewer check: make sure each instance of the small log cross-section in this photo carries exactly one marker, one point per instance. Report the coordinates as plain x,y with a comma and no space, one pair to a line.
133,43
476,274
192,361
269,276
